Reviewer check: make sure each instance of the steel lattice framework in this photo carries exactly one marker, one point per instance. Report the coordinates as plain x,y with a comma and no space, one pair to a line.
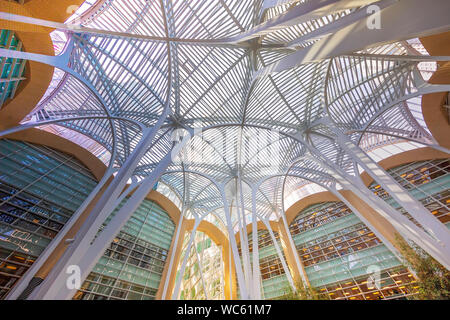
308,76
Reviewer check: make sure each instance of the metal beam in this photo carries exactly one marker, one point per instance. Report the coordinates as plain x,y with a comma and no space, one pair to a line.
303,12
396,24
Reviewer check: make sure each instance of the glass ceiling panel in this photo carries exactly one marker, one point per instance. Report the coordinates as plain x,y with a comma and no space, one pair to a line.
203,59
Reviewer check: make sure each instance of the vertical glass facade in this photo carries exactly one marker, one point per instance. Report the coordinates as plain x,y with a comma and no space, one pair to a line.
40,189
132,266
340,253
427,181
274,282
203,278
12,70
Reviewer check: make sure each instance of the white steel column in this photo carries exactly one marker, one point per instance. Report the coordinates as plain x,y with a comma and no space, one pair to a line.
245,265
105,205
294,248
396,25
54,286
415,208
280,254
403,225
186,256
99,213
171,262
234,249
244,242
304,12
386,242
256,268
26,278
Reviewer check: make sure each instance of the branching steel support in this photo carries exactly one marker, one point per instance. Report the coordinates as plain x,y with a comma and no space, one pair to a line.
187,252
234,249
298,264
256,271
178,238
26,278
89,250
430,223
243,233
280,254
403,225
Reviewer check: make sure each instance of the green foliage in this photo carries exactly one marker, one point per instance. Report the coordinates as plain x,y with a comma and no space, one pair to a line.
302,292
187,274
196,268
433,279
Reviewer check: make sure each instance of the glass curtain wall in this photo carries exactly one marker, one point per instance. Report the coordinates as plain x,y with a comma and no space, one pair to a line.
274,283
12,71
203,278
132,266
341,254
428,182
40,189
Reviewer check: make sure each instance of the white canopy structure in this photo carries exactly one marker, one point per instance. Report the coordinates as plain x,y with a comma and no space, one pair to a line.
237,109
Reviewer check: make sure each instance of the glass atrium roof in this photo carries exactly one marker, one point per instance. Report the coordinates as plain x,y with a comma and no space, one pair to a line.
222,67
